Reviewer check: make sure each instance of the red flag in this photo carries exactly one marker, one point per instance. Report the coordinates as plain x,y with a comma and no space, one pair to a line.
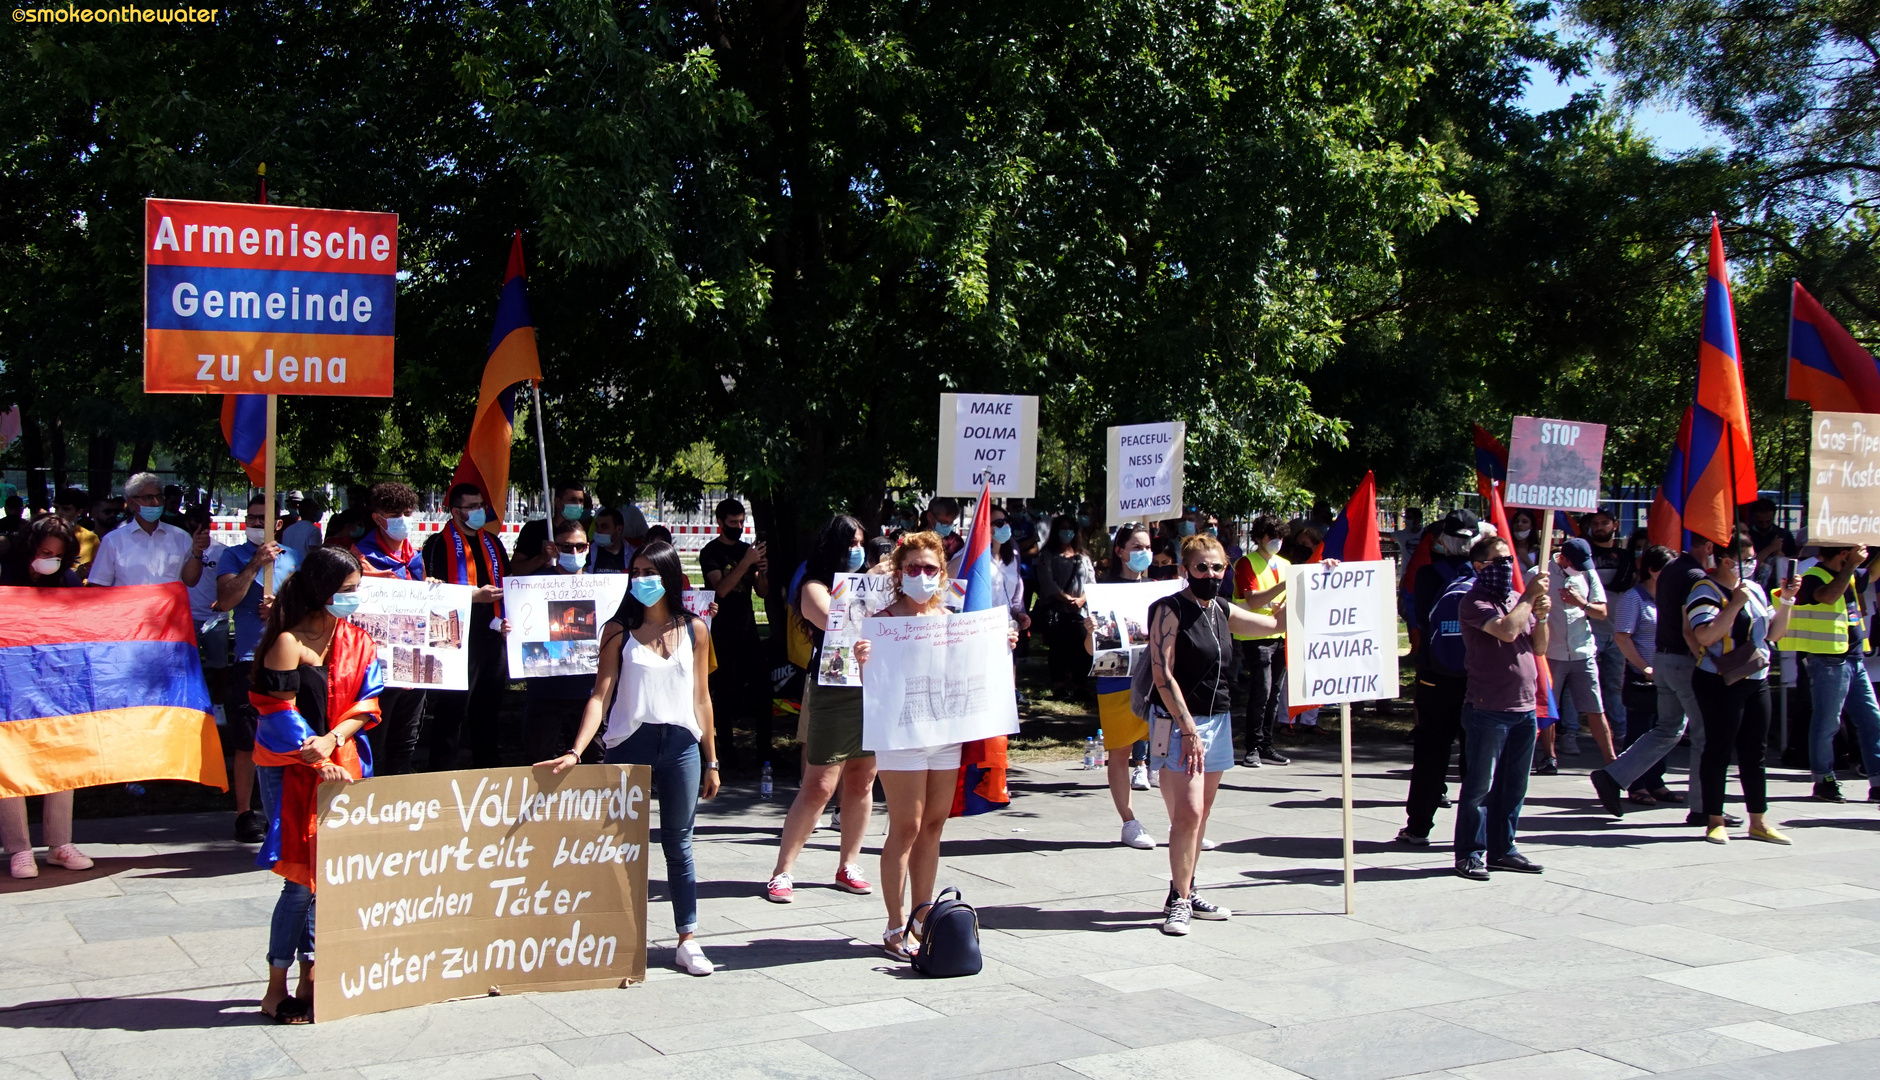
1354,537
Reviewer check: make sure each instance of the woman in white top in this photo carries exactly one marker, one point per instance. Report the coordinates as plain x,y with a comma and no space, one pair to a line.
653,692
919,783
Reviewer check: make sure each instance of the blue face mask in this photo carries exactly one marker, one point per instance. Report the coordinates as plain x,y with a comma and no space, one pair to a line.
1065,536
855,559
647,590
571,512
943,528
475,518
1187,528
344,604
398,528
1001,534
1139,561
150,513
568,561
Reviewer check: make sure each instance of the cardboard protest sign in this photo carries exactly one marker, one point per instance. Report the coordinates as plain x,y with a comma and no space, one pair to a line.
1145,472
555,621
937,679
436,886
1121,612
1341,632
988,439
1555,464
253,299
1844,479
852,598
421,629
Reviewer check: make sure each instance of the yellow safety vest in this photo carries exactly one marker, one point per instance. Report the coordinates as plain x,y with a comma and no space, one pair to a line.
1268,571
1822,628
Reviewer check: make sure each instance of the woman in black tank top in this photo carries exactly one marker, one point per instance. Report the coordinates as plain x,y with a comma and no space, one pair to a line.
1192,733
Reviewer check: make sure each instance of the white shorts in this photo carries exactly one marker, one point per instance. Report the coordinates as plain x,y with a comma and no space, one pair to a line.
920,759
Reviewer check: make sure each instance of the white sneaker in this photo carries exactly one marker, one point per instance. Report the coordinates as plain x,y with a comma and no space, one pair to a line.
1136,836
1208,845
1139,777
1155,777
690,959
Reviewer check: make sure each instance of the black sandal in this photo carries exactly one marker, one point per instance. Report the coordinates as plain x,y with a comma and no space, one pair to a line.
291,1011
1665,794
1641,797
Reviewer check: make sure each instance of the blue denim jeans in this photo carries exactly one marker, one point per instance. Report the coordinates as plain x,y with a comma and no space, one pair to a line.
673,754
1837,684
290,930
1497,751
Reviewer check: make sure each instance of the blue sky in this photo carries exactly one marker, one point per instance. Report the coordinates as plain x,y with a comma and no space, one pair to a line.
1673,127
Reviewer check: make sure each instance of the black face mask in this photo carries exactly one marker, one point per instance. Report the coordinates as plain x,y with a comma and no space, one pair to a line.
730,532
1164,573
1204,588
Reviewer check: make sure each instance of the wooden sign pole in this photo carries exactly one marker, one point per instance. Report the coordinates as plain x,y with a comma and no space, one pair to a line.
267,448
1344,758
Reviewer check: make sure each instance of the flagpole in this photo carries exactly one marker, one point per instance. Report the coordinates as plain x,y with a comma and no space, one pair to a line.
267,446
1344,762
541,448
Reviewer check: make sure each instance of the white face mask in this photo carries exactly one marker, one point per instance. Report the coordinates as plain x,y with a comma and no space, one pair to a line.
919,587
1273,546
1523,534
46,567
256,536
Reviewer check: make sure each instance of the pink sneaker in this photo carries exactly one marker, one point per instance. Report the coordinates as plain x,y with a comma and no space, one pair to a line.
781,889
23,865
68,856
850,878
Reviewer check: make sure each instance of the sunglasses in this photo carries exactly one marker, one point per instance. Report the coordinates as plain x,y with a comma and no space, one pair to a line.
921,571
1219,568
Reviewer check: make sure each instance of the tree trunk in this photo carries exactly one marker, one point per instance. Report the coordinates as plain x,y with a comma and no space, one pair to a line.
140,453
33,449
61,477
100,463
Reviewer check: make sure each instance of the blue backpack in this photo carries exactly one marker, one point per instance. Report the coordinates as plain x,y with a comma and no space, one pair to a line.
949,945
1442,641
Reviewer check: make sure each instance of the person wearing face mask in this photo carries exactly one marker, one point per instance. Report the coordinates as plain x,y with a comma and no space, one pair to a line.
1192,722
941,519
1061,574
1830,633
315,686
1577,600
41,557
1442,675
1163,563
1260,583
571,504
70,506
240,588
740,575
552,705
1526,542
609,553
1501,633
1734,625
146,551
387,551
831,721
1122,729
465,553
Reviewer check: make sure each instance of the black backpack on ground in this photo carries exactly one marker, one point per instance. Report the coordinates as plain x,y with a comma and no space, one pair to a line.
949,945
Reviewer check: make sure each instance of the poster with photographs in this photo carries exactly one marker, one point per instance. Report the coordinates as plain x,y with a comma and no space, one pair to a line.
1121,614
852,598
555,622
421,629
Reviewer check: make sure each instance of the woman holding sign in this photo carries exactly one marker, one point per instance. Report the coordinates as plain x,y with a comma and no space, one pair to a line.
919,783
652,689
1191,740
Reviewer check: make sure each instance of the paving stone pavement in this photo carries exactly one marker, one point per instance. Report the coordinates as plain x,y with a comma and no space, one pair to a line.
1641,950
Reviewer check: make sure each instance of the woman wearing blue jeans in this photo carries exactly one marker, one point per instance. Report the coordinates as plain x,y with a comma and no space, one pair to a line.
653,692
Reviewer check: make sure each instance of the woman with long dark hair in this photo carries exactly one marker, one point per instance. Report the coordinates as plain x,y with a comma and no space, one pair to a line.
315,687
653,692
41,558
1061,574
832,754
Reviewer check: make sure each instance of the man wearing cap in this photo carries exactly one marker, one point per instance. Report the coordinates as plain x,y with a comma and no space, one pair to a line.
1578,599
1442,682
1827,629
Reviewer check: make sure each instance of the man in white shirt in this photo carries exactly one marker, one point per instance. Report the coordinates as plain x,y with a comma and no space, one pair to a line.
145,551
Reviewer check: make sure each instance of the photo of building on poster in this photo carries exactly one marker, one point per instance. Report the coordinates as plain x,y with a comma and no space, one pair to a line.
419,629
852,599
555,622
1120,612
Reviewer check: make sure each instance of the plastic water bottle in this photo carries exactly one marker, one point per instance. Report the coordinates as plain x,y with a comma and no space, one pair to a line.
1090,752
764,788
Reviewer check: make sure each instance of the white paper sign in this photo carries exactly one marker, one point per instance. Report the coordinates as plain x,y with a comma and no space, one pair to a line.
852,599
937,679
421,628
1341,633
1145,472
555,621
1121,612
988,438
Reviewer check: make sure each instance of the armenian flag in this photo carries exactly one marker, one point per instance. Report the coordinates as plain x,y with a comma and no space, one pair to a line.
1827,368
102,686
983,762
512,360
1719,465
1491,461
1666,524
1546,709
1353,537
245,426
